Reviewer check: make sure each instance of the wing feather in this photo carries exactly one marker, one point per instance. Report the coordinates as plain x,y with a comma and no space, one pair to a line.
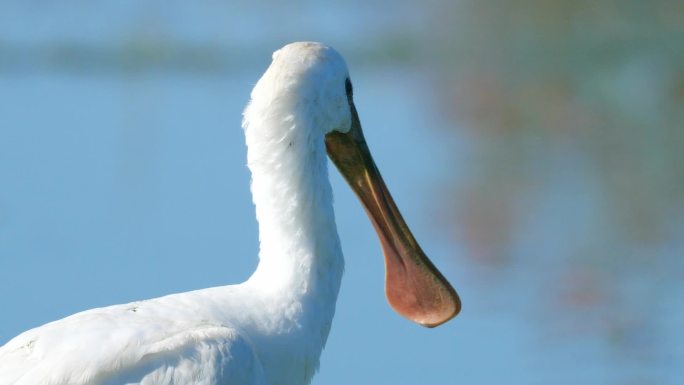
112,346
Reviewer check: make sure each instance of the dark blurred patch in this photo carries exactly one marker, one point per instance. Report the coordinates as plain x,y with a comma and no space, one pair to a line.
135,56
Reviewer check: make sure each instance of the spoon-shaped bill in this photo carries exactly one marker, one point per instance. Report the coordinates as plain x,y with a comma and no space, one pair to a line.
414,287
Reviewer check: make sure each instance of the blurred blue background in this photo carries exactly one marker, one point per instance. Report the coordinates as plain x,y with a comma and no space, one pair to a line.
535,148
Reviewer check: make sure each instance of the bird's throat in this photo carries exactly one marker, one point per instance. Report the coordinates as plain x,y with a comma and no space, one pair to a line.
300,258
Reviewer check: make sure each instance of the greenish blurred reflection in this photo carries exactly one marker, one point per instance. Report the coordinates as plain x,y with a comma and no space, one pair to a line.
574,112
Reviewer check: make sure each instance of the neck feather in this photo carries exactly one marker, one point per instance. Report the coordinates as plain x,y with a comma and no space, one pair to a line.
300,254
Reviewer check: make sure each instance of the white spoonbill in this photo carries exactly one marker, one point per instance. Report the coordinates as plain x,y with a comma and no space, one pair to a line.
270,329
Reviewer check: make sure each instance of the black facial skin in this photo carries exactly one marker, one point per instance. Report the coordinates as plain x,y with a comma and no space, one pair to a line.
350,91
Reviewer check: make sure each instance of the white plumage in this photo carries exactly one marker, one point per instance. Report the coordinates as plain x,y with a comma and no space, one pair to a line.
270,329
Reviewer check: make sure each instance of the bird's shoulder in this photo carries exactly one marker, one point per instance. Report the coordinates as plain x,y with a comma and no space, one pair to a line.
142,341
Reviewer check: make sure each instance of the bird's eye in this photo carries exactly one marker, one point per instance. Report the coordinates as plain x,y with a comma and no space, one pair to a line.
348,88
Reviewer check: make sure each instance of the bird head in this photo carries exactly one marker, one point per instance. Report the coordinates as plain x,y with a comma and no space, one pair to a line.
314,77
